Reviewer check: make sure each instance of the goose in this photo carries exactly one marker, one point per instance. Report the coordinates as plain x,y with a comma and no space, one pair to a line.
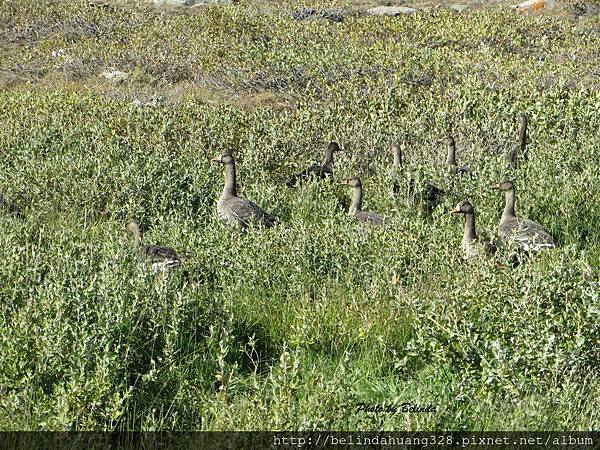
397,166
321,171
451,164
235,210
513,162
163,259
10,208
525,233
472,245
355,208
429,197
397,152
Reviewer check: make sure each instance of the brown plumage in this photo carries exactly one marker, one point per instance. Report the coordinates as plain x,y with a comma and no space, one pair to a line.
163,259
513,157
525,233
10,208
356,206
429,197
236,210
472,245
320,171
451,164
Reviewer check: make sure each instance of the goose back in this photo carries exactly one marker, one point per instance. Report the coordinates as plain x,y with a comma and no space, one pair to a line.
236,210
10,208
525,233
320,171
242,212
162,258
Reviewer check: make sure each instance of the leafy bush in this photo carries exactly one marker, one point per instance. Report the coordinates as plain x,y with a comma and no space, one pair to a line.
291,328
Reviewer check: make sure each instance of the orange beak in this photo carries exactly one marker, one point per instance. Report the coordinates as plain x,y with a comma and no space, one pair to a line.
455,210
216,159
496,186
344,181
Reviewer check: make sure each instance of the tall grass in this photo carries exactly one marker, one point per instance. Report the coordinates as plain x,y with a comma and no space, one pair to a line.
292,327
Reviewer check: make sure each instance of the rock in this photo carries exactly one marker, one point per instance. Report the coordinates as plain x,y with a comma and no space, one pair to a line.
115,76
154,101
335,15
534,5
215,2
175,2
201,3
581,8
304,13
390,10
459,8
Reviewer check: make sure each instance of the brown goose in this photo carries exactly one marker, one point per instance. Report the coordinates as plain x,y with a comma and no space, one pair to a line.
525,233
451,164
10,208
236,210
513,161
429,197
355,208
163,259
472,245
321,171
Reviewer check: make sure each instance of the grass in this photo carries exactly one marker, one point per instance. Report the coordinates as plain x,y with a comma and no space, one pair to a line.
293,327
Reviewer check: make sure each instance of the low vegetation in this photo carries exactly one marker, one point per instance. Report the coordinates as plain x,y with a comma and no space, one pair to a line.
293,327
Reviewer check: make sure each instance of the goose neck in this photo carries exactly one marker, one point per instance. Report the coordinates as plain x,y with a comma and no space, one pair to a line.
451,158
137,235
356,200
509,207
328,161
523,136
230,188
470,233
397,158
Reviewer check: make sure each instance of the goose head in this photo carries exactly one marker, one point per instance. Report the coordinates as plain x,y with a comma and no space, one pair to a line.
448,140
333,147
225,159
523,119
504,186
352,182
464,207
132,226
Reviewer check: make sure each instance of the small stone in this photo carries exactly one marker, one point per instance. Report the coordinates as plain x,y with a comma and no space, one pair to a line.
459,8
174,2
115,76
304,13
390,10
334,15
198,4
